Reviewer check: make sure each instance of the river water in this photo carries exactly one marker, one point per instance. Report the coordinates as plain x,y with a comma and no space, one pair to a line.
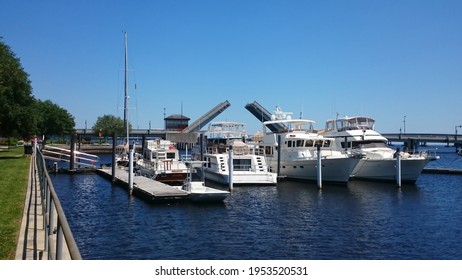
292,220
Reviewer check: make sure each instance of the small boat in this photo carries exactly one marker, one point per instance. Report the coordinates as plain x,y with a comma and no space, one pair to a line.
161,162
357,135
293,151
199,192
225,140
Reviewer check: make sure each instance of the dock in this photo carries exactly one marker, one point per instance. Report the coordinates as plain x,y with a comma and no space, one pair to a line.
146,188
442,171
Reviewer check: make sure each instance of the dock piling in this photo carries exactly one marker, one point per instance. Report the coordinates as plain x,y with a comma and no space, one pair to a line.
319,170
113,165
130,168
230,169
398,168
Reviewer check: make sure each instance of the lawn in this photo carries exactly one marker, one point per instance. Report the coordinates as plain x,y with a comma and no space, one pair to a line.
14,170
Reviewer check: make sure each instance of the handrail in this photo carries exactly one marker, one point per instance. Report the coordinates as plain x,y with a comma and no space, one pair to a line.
60,240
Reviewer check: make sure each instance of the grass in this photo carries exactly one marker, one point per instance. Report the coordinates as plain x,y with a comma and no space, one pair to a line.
14,171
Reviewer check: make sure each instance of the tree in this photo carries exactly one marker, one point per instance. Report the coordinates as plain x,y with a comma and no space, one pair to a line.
52,119
16,99
108,125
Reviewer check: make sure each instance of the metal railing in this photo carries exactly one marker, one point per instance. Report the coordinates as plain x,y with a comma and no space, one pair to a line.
59,241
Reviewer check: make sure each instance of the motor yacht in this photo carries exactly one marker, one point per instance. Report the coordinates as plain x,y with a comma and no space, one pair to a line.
225,140
358,135
293,151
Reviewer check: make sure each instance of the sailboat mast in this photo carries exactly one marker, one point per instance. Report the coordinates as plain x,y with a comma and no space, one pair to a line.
126,88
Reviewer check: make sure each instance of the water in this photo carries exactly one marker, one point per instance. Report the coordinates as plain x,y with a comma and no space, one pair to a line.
293,220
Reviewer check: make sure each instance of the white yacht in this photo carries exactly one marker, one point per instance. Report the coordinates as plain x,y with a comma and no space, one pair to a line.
295,154
357,135
161,162
225,139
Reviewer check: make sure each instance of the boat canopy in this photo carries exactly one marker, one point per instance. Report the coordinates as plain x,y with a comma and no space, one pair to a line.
294,124
350,123
226,130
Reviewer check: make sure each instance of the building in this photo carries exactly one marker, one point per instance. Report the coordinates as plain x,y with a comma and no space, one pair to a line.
176,122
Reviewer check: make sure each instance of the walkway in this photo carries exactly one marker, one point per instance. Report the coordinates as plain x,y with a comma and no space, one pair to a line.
31,241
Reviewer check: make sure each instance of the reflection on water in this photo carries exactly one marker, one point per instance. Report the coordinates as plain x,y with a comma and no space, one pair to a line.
293,220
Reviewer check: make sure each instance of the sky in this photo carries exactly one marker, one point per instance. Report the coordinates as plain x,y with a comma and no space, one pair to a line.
399,62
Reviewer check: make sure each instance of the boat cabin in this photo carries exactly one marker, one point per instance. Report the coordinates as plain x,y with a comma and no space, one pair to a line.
294,144
160,150
352,132
350,123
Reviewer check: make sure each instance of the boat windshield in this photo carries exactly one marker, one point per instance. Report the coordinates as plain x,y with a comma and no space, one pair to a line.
369,144
355,123
226,130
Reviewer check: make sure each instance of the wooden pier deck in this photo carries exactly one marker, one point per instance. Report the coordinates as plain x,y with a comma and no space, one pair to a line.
146,188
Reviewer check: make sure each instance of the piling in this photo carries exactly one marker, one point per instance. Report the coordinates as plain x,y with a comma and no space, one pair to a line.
230,168
398,168
72,153
130,168
319,169
113,165
279,156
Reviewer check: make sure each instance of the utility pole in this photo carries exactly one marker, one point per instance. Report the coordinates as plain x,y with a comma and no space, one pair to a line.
455,136
404,122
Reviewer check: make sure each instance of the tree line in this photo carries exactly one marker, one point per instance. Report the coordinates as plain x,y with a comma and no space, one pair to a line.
24,116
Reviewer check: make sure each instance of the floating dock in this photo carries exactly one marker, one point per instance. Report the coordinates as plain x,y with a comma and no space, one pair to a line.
146,188
442,171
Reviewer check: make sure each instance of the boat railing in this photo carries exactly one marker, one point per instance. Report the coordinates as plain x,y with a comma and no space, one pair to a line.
165,164
224,149
251,168
59,241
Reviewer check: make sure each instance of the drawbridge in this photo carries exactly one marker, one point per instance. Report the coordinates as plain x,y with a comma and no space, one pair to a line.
264,115
61,154
202,121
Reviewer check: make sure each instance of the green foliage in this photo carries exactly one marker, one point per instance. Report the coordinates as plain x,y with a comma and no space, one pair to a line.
16,100
108,124
21,115
52,119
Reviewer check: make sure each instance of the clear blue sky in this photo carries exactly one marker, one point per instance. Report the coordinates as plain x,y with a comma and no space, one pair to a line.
384,59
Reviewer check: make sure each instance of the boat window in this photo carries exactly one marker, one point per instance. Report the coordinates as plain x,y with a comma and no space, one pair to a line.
329,125
170,155
318,143
289,144
342,125
309,143
299,143
369,144
326,143
366,123
346,145
242,164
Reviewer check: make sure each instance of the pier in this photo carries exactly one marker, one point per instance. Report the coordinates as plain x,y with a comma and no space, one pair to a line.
146,188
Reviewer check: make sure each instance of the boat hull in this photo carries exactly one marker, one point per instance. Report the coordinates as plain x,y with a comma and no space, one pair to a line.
208,196
170,177
242,178
334,170
200,193
385,169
